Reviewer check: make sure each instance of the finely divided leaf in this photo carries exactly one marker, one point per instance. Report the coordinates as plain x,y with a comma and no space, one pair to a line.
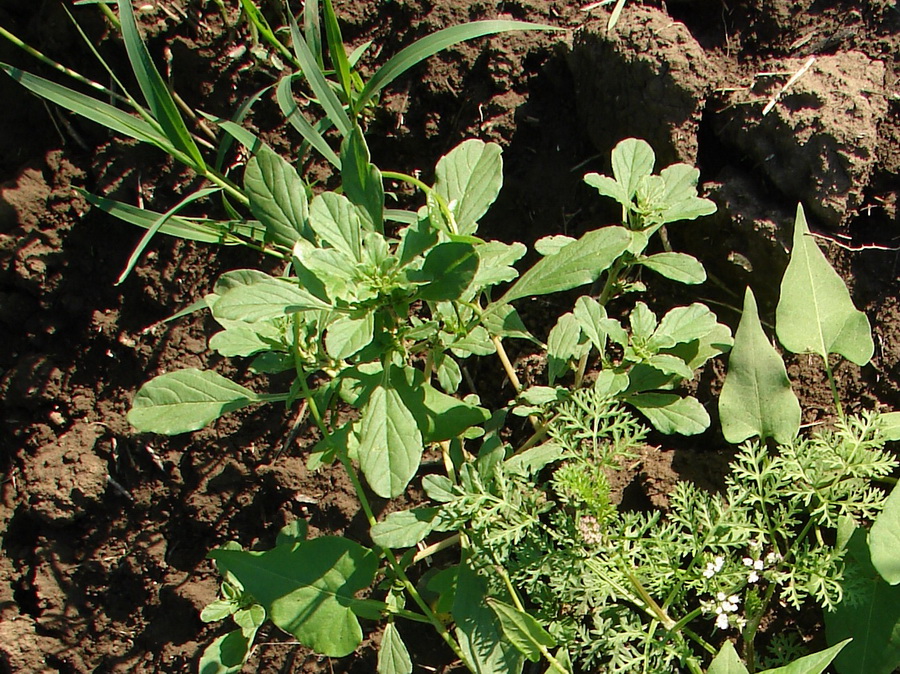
576,264
471,176
308,590
757,399
277,197
390,444
815,313
884,540
186,400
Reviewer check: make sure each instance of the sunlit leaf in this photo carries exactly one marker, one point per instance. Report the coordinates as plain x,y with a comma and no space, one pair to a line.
470,177
393,656
884,539
676,266
670,413
405,528
277,197
522,630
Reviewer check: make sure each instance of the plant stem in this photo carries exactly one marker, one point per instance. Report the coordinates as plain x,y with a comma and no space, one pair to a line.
435,548
834,392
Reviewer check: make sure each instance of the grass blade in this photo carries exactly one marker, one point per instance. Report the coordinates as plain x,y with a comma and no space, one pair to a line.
292,113
432,44
155,91
336,50
332,105
97,111
237,119
160,221
312,29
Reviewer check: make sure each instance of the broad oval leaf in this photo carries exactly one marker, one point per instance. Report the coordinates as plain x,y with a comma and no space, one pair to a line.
815,313
578,263
186,400
405,528
470,175
670,413
262,298
336,221
632,160
277,197
393,656
756,398
227,654
447,272
348,335
522,630
884,539
676,266
590,315
564,343
308,590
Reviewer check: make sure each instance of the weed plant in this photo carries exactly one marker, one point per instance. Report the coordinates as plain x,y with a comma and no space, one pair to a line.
377,311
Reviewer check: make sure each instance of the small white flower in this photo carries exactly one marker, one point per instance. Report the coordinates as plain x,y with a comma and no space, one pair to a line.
753,577
722,621
772,557
747,561
734,599
721,596
758,565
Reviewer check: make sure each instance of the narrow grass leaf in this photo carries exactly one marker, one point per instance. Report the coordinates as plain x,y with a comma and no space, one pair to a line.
884,540
390,444
237,119
522,630
393,656
404,529
676,266
244,136
294,115
432,44
757,399
158,224
278,198
815,313
312,29
95,110
154,88
186,400
336,49
578,263
362,181
727,661
308,590
470,175
670,413
815,663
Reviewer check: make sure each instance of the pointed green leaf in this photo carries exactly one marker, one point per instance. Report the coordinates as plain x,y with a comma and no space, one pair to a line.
669,364
869,613
576,264
308,590
277,197
564,344
390,443
680,194
815,663
405,528
684,324
471,176
632,160
348,335
243,339
447,272
393,656
154,88
757,399
336,50
607,187
361,179
670,413
676,266
502,320
590,313
495,260
815,313
884,539
727,661
264,298
186,400
522,630
891,426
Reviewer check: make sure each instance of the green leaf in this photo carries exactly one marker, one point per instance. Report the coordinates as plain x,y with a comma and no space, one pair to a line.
757,399
495,260
242,339
522,630
293,533
154,88
439,488
476,342
869,613
264,298
530,462
348,335
432,44
277,197
590,315
669,364
308,590
815,313
727,661
218,610
227,654
683,324
576,264
361,179
670,413
186,400
607,187
405,528
680,194
447,272
676,266
502,320
884,539
632,160
393,657
91,108
891,426
390,443
814,663
478,628
336,50
294,115
564,344
470,175
250,619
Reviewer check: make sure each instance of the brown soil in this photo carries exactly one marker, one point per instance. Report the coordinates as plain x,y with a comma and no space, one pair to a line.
105,532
